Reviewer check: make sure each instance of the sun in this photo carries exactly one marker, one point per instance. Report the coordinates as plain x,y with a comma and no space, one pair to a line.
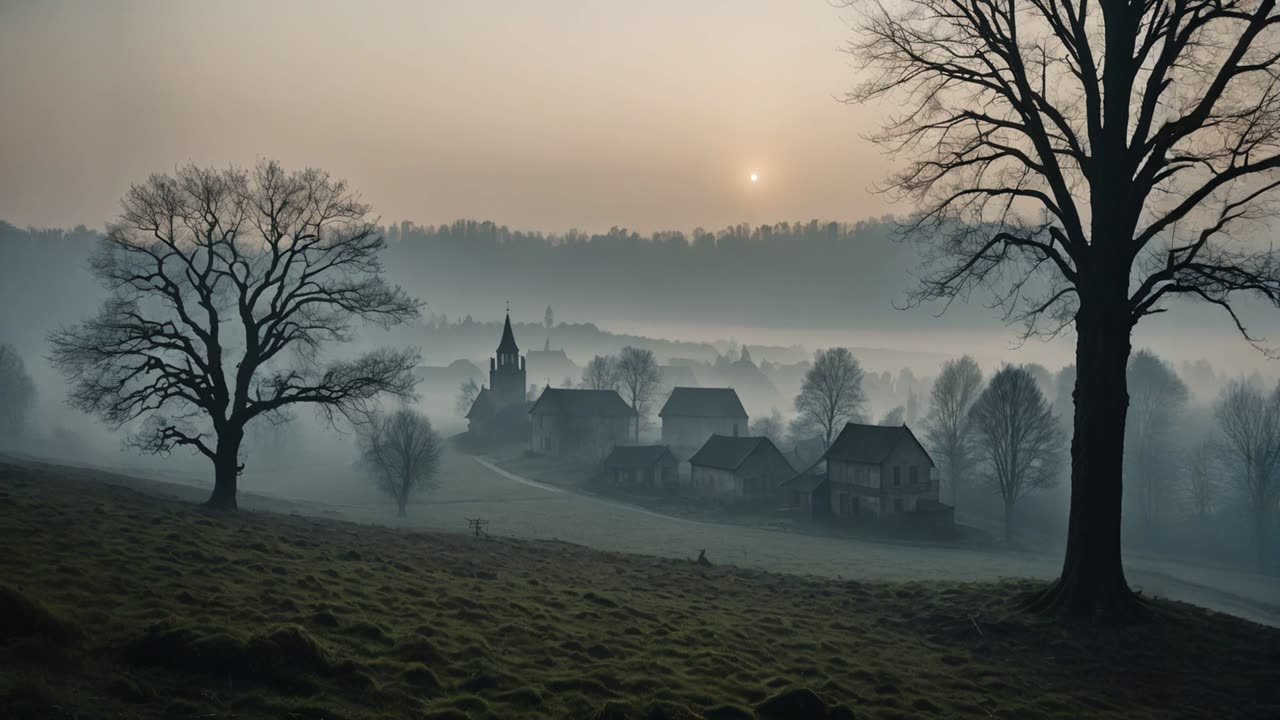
755,177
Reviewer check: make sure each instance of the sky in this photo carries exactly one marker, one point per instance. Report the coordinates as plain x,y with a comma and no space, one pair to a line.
547,115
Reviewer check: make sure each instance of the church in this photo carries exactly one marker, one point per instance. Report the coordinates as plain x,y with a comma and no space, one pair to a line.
500,412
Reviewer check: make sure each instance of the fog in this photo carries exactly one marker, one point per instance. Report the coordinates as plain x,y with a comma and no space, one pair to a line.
713,306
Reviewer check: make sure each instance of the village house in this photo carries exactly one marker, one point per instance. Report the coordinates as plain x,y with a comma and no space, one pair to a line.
693,414
873,472
739,469
650,466
582,424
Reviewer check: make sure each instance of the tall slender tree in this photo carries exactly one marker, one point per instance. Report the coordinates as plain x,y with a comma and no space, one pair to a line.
1157,397
639,377
17,395
831,392
226,287
1085,162
948,429
1249,425
1019,440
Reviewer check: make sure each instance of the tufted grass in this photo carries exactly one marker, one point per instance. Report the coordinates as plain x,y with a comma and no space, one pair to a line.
116,604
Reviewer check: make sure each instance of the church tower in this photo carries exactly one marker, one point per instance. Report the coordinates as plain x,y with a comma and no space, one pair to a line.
506,370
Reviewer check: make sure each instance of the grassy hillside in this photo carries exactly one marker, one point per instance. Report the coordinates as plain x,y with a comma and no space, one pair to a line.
114,604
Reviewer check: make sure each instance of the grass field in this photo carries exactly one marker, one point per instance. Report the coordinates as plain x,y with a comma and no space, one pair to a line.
116,604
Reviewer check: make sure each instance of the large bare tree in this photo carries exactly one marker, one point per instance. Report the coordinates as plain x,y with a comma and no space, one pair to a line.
831,392
947,428
1249,429
226,287
1019,441
1085,162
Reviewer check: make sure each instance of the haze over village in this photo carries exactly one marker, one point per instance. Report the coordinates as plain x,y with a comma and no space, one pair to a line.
725,360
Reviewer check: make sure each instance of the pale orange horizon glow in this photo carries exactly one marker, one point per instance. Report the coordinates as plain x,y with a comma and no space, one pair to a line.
550,115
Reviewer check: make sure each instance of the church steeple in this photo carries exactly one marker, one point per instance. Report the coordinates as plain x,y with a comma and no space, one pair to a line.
506,370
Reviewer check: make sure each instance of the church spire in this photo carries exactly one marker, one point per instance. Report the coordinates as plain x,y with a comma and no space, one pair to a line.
508,343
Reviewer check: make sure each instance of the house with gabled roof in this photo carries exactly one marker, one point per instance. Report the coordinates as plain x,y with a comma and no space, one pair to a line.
876,471
579,423
691,415
650,466
739,469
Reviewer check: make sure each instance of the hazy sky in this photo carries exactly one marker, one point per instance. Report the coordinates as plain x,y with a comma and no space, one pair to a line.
545,114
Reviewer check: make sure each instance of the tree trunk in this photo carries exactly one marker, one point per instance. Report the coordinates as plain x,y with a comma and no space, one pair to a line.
1008,522
1092,584
226,471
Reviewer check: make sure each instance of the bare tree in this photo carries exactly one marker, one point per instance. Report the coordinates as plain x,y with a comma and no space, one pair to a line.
1249,424
1084,163
402,454
639,378
226,287
17,395
601,373
1201,480
831,392
467,393
1019,441
1157,397
948,430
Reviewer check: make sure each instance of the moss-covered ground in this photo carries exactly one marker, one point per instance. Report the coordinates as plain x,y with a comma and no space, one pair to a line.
116,604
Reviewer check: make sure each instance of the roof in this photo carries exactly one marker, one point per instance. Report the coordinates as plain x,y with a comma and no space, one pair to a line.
581,403
508,343
728,453
630,457
703,402
482,407
871,444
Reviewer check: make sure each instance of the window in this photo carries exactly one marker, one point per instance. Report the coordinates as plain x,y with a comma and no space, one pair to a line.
897,475
897,504
914,473
845,505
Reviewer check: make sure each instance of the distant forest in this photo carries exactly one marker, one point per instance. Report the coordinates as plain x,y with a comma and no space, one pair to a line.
815,274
